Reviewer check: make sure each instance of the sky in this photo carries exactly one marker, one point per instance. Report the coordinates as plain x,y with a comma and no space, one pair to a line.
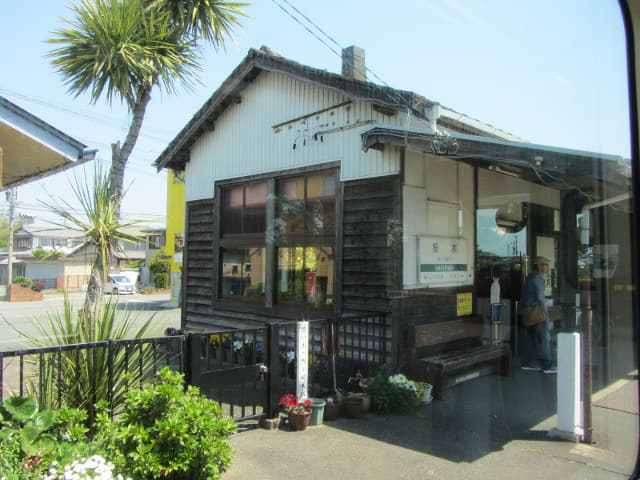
551,72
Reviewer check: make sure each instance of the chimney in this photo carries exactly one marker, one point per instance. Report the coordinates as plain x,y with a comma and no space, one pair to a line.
353,65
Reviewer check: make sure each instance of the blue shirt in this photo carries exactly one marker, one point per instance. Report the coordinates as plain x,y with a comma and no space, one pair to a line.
533,293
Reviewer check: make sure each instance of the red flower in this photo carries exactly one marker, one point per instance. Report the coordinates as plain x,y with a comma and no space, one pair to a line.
291,404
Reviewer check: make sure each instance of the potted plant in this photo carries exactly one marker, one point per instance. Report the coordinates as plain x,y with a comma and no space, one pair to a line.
352,406
423,392
332,408
298,414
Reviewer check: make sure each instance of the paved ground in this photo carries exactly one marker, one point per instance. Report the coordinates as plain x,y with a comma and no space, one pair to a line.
490,428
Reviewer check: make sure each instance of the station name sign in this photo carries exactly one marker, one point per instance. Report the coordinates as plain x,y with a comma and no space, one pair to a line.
443,260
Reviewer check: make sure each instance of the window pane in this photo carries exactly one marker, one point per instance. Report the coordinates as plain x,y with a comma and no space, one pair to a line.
232,210
305,275
255,212
243,271
320,214
291,205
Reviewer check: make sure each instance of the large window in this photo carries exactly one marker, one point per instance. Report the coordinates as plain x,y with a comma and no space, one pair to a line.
302,245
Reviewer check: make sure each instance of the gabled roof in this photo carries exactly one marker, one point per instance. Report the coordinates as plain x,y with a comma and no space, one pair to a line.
31,149
385,99
49,231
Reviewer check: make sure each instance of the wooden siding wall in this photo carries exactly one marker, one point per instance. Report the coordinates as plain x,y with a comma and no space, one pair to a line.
277,112
369,268
199,279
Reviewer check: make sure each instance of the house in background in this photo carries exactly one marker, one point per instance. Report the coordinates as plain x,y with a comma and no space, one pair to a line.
311,194
61,259
175,230
53,256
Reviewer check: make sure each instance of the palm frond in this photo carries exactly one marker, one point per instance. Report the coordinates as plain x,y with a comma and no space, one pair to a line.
118,48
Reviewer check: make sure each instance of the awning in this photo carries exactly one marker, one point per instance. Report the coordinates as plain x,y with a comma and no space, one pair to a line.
31,148
556,167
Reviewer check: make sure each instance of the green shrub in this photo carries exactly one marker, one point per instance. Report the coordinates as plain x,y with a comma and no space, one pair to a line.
30,439
23,281
165,431
161,280
387,397
42,254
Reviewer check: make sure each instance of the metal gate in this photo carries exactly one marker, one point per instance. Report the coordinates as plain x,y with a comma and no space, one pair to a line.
230,367
247,371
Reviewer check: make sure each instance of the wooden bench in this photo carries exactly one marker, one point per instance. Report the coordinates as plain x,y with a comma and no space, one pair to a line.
455,353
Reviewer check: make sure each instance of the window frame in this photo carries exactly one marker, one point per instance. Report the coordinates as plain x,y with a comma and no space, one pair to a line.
268,239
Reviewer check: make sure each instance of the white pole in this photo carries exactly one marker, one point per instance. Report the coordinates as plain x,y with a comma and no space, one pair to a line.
569,387
302,360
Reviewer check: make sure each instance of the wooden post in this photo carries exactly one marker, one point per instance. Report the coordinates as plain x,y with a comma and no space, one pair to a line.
192,354
272,359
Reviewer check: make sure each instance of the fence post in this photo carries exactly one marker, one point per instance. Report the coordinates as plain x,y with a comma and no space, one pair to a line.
192,356
272,359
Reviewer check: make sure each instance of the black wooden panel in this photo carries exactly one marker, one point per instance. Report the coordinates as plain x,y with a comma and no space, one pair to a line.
367,258
198,275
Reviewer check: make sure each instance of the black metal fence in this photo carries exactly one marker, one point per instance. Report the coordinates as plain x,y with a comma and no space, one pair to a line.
246,371
53,374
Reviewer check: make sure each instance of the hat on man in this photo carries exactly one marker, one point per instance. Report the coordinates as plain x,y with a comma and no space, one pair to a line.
540,260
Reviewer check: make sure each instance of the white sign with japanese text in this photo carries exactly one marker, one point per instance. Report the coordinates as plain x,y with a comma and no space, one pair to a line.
443,260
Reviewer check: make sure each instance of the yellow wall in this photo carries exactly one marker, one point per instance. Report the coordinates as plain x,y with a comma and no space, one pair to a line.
175,217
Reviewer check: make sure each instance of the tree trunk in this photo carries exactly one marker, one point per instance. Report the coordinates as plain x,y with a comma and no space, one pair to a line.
120,155
95,289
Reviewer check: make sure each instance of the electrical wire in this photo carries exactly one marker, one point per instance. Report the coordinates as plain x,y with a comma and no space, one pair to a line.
401,100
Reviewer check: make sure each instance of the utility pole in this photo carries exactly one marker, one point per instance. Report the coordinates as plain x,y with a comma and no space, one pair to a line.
12,196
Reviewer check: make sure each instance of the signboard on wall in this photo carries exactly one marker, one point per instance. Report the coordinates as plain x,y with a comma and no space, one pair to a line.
464,302
443,260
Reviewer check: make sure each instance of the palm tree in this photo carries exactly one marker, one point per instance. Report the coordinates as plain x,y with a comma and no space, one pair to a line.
123,48
99,224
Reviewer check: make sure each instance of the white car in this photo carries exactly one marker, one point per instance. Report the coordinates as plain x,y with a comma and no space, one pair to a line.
118,285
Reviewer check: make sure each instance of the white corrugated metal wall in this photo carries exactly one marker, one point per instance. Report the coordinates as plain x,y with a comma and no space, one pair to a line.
245,141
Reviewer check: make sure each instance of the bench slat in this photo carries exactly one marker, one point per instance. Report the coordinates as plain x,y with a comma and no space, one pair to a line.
440,368
463,358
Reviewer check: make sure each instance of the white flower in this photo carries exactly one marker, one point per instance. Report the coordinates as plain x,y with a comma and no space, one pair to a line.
95,467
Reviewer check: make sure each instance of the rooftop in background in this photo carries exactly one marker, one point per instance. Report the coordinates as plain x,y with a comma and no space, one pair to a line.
31,149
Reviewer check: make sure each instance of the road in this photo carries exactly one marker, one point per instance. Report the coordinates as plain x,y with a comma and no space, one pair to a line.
24,316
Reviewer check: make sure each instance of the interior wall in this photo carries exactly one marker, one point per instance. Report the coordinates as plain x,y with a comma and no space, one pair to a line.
438,202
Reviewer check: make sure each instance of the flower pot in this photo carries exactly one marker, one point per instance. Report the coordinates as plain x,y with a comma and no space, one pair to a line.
426,396
352,407
317,411
331,411
298,421
366,401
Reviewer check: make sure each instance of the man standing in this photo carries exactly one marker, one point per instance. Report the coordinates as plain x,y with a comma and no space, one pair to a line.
538,334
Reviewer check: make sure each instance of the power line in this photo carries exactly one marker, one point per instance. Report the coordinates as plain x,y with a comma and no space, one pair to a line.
332,40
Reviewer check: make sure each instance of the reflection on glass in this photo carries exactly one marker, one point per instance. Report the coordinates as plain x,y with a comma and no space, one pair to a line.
243,272
305,274
291,205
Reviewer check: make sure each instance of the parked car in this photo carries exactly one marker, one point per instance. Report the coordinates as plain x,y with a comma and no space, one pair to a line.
119,284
